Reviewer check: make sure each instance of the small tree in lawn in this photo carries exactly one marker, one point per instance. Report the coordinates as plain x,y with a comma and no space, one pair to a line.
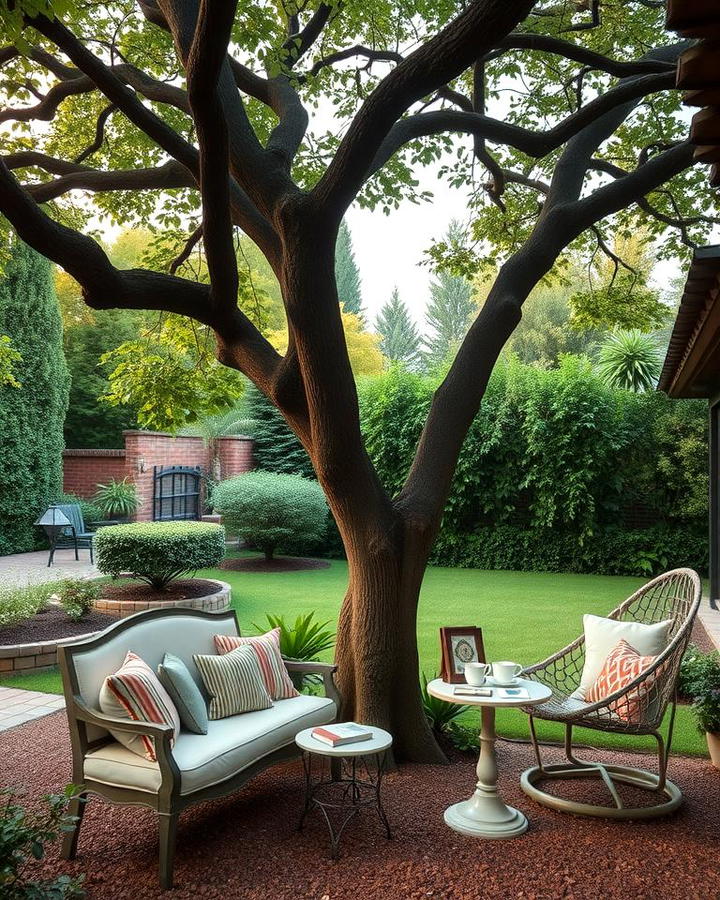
267,510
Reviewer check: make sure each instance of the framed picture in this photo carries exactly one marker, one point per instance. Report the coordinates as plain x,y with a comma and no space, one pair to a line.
458,647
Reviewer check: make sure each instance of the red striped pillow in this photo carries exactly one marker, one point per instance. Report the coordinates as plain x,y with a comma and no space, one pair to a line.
267,649
623,665
134,692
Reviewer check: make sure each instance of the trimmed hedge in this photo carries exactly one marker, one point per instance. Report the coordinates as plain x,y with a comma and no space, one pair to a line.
612,551
31,416
158,552
269,510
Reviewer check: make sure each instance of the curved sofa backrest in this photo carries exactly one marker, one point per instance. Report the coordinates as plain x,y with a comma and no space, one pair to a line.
150,634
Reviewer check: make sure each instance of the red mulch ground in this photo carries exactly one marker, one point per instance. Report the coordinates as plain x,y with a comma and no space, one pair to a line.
278,564
176,590
246,846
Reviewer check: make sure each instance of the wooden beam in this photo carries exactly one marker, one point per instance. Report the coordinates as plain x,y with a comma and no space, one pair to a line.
705,128
699,66
693,18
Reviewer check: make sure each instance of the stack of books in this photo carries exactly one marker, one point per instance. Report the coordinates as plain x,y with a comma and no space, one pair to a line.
342,733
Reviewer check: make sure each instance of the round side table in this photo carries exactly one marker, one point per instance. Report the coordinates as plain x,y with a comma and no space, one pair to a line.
485,814
347,779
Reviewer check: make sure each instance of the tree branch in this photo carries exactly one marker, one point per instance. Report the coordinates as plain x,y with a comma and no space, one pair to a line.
163,178
99,134
205,61
298,44
425,70
545,43
458,398
533,143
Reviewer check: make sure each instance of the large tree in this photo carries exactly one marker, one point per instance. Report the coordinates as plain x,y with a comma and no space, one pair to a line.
195,112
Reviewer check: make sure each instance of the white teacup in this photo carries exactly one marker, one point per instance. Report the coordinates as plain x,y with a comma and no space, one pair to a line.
476,673
505,671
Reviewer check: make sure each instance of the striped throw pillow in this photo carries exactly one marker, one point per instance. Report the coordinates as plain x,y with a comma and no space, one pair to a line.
134,692
233,682
267,647
623,665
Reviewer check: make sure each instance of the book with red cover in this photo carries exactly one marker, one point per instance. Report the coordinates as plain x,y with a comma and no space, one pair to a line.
342,733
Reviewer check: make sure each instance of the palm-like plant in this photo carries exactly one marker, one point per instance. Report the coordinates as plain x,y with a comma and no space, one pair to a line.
439,713
629,360
305,640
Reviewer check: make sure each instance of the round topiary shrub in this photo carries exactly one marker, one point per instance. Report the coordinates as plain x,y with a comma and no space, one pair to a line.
268,510
158,552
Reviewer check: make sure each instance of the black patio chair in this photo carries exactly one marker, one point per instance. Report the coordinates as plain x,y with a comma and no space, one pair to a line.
74,535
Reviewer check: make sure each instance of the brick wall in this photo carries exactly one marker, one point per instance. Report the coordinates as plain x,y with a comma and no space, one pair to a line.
85,469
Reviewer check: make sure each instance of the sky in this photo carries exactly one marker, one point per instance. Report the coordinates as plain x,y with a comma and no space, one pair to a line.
389,249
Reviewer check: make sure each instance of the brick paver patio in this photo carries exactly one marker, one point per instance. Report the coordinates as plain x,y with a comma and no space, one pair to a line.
18,706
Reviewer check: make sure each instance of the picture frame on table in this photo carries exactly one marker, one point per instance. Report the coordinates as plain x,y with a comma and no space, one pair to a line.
459,645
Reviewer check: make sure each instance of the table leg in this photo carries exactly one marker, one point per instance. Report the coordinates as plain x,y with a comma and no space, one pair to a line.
484,814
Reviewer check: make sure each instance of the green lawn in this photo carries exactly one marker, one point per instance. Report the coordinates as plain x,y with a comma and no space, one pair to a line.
525,616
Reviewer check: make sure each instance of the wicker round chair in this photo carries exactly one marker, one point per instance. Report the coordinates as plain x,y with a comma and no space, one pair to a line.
637,709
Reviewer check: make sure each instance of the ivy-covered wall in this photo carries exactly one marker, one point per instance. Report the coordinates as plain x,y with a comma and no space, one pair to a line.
31,415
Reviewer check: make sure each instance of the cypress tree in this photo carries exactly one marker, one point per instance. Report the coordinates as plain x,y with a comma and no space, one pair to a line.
347,273
31,416
400,340
449,310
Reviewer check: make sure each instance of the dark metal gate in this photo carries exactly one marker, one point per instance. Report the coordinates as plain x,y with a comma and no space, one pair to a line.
176,492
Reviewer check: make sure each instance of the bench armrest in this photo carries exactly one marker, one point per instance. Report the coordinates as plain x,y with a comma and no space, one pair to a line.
326,670
161,733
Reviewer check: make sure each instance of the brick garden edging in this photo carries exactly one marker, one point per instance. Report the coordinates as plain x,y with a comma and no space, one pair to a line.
41,656
38,657
217,602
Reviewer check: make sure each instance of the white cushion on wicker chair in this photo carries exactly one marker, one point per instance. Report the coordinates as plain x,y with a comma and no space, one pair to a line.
230,745
603,635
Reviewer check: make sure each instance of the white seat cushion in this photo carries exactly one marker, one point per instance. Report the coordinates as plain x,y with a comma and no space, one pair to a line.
231,745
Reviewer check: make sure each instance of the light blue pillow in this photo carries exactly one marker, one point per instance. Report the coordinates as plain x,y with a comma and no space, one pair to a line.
175,677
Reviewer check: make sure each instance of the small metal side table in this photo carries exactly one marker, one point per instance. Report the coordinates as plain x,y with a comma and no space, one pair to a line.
345,780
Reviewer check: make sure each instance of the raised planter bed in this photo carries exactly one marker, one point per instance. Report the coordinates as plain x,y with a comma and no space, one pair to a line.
34,643
125,600
39,655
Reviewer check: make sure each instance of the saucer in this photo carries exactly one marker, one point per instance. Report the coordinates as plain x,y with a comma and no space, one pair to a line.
512,683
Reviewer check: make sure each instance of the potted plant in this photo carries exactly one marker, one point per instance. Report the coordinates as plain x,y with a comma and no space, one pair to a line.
706,705
117,499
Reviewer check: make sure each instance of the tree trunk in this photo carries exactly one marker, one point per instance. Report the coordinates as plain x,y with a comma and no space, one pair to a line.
376,653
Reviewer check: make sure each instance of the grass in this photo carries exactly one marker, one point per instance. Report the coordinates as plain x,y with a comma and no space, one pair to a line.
525,616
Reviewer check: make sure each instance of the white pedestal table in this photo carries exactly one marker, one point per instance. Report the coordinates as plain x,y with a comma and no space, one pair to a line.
485,814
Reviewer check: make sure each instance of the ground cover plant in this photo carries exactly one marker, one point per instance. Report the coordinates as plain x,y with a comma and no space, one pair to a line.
525,616
589,138
20,603
158,552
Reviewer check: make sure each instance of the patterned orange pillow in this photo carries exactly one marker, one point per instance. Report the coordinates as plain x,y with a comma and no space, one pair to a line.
267,649
623,665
